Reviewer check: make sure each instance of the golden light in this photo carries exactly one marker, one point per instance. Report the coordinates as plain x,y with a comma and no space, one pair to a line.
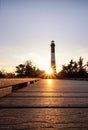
49,71
49,81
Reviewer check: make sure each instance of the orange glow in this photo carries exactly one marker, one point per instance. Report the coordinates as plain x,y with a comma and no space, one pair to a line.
49,71
49,81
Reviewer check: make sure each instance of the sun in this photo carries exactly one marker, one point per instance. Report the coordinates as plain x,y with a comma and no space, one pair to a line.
49,71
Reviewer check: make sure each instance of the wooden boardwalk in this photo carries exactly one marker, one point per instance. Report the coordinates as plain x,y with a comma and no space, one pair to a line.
46,105
7,86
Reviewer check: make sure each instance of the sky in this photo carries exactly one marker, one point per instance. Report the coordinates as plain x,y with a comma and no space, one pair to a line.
27,28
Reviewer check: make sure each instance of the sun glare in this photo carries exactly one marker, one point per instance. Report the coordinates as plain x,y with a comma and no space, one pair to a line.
49,81
49,71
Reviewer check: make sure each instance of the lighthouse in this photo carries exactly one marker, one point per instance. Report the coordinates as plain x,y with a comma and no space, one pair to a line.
53,64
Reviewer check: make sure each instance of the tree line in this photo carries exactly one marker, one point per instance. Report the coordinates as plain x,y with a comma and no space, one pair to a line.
74,69
27,70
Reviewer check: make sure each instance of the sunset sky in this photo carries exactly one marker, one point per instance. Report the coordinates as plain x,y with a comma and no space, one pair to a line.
27,28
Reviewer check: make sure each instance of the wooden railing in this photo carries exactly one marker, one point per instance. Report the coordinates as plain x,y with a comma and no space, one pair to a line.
9,85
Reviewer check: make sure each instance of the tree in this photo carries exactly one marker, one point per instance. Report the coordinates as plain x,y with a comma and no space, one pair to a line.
27,70
74,69
81,69
80,63
10,75
2,75
20,71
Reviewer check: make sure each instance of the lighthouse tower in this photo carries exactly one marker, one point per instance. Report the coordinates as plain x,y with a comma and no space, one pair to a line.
53,65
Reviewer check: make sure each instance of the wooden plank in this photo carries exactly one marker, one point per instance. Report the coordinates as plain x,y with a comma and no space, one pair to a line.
9,85
48,105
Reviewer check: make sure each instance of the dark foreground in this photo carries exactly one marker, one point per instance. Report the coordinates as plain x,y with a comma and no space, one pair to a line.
46,105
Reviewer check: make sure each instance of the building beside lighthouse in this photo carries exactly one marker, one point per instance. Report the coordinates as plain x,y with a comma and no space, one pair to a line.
53,62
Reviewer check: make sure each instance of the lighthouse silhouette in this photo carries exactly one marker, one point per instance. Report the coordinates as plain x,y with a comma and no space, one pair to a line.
53,64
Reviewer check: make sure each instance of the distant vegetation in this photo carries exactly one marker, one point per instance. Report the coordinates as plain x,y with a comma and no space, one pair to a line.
27,70
72,70
2,75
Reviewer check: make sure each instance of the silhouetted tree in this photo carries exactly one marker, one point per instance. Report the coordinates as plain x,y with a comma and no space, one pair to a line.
2,75
74,69
30,70
27,70
20,71
10,75
80,63
81,70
